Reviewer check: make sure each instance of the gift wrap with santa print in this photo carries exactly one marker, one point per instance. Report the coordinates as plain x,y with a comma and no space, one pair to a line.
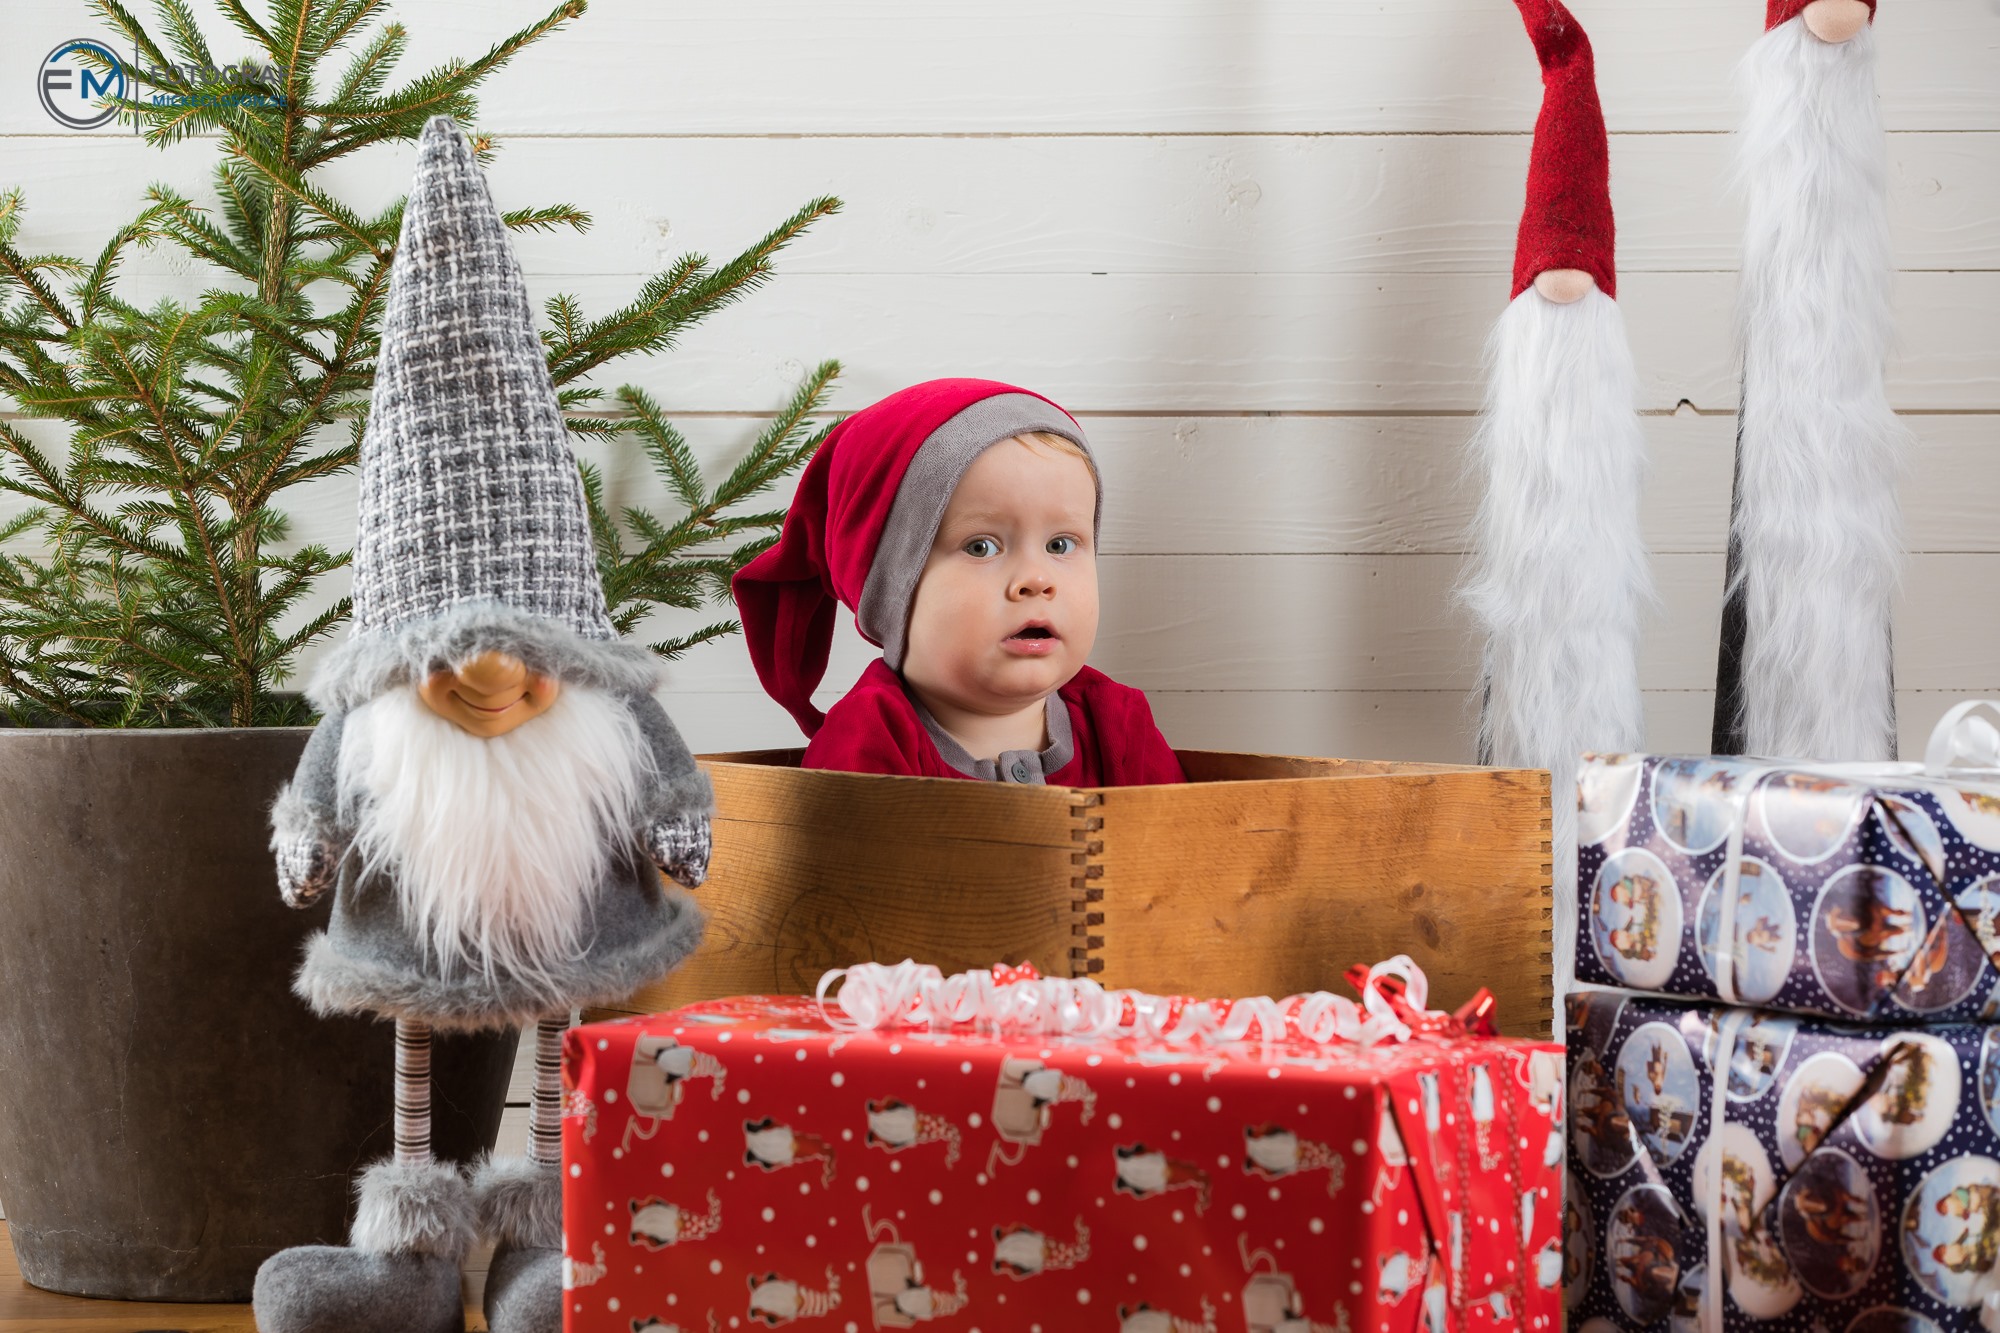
1853,897
1850,1173
741,1164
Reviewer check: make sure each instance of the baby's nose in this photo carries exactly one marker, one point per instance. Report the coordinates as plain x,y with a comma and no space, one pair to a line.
494,673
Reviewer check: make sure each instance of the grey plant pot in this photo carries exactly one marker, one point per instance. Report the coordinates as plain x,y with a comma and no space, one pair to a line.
170,1114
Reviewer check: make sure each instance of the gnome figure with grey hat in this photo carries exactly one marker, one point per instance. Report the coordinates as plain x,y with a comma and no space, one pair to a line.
493,785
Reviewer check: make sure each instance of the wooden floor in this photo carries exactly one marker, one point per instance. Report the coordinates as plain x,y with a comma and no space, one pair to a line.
26,1309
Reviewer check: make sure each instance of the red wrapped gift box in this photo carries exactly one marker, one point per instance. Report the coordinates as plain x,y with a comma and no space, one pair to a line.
743,1163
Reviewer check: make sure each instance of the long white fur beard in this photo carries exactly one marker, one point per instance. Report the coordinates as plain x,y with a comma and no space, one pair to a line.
495,846
1558,577
1819,452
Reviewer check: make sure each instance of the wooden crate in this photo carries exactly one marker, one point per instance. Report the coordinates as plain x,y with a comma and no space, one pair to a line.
1266,874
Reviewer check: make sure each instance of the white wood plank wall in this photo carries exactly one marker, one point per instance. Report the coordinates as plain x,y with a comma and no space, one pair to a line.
1256,246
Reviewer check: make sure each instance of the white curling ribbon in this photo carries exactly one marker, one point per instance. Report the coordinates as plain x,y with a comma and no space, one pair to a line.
911,994
1963,741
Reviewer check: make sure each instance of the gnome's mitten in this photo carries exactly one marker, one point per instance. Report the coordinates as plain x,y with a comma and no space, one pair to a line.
679,847
399,1274
520,1210
676,835
305,835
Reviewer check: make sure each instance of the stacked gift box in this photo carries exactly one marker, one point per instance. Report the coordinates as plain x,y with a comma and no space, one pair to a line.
1817,1103
770,1161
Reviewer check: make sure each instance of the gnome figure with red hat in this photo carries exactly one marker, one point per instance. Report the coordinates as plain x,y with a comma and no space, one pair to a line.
493,791
958,519
1815,545
1559,574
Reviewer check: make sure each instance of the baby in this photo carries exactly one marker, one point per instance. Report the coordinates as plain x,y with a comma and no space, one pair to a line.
958,518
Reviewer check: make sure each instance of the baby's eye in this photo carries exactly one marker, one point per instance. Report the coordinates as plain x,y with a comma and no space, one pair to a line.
1062,545
981,547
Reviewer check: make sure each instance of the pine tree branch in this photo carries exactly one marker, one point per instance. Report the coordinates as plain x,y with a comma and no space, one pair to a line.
161,594
546,219
249,26
17,266
371,68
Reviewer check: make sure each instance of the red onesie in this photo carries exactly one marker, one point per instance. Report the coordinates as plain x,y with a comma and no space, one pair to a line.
878,728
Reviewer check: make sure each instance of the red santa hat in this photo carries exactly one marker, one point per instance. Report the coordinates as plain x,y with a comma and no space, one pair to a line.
1783,11
1567,221
861,526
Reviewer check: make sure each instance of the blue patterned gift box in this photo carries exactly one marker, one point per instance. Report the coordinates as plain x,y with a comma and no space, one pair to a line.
1851,898
1850,1174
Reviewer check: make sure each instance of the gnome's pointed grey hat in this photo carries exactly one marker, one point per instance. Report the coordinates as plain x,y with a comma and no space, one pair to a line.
473,535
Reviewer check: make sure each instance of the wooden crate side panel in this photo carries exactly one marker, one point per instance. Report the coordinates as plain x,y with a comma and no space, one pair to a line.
1277,887
1230,766
764,758
814,871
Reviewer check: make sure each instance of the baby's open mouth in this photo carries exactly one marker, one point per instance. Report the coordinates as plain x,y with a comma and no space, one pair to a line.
1033,632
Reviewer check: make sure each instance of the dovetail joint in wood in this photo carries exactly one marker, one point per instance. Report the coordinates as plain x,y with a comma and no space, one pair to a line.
1087,833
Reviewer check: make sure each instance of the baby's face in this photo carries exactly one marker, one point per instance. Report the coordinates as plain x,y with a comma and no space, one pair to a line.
1006,610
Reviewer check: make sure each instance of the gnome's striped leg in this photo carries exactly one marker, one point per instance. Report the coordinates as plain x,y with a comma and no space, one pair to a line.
520,1206
413,1092
545,1115
413,1223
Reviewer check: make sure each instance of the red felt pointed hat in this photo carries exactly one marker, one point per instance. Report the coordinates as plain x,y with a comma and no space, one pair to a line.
847,503
1783,11
1567,221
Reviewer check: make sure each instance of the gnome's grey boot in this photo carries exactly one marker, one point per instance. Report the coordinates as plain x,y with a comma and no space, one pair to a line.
520,1211
398,1274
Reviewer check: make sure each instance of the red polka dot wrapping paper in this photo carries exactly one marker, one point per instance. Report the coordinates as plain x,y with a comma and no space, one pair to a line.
740,1164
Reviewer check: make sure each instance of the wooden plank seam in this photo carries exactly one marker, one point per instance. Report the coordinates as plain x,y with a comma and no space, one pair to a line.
1087,885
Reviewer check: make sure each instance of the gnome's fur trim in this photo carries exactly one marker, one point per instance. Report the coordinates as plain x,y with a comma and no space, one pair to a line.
368,664
415,1208
520,1201
337,981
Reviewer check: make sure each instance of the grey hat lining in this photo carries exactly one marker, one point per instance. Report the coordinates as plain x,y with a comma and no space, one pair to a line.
368,664
925,492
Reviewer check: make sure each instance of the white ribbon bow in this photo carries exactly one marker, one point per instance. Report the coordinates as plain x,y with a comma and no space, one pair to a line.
917,995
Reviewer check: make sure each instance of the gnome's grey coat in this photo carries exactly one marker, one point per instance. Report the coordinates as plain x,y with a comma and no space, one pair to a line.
368,960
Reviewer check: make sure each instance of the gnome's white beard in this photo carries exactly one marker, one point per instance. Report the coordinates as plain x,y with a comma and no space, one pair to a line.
495,846
1558,576
896,1126
1820,451
1021,1249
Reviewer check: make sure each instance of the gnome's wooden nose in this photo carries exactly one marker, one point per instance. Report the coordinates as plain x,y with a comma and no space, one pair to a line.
1564,286
494,673
1835,21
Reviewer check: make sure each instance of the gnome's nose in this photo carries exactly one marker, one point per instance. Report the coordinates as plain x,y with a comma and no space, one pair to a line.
1835,21
494,673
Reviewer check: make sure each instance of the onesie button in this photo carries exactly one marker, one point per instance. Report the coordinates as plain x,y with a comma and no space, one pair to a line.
1020,771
